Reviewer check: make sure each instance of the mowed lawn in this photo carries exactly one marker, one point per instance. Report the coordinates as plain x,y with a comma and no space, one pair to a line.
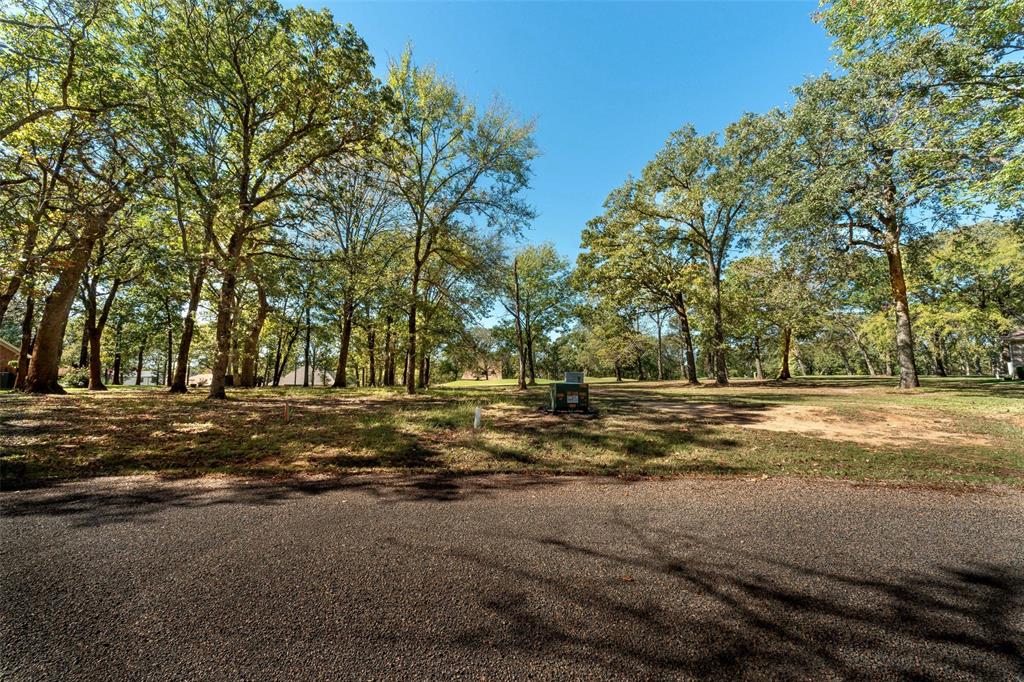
949,431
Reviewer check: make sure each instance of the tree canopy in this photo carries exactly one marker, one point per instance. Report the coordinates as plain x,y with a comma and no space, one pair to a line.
215,194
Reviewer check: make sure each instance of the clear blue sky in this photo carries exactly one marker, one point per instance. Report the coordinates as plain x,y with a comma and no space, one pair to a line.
605,82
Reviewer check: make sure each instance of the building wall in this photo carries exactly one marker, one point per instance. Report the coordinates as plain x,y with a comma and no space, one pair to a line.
6,355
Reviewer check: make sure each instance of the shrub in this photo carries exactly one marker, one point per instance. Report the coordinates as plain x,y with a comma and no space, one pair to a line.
76,378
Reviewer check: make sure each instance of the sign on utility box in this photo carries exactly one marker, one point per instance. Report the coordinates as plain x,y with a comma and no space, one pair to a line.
574,377
570,398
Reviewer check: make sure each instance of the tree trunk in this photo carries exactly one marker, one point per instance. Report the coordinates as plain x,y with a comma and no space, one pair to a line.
138,365
305,354
846,359
529,359
528,332
800,361
83,348
787,342
277,362
618,371
410,352
180,383
117,368
520,345
95,365
341,377
169,374
287,354
940,362
264,375
233,362
226,310
46,351
758,366
95,321
371,342
661,371
389,355
865,355
721,371
679,305
904,334
251,345
26,344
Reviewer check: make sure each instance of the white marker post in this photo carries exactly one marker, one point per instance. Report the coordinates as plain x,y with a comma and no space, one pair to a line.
476,418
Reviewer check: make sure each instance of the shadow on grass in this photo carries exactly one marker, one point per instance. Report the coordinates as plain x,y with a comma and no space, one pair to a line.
76,437
341,432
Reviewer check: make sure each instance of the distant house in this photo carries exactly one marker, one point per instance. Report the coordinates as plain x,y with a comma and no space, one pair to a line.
317,377
149,378
1013,353
8,353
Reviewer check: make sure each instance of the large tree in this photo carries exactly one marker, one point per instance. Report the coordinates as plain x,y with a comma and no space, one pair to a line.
452,165
112,163
286,89
628,249
355,215
544,297
706,191
76,132
857,172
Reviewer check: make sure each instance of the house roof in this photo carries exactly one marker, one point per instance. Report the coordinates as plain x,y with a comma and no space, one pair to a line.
319,377
10,347
1015,336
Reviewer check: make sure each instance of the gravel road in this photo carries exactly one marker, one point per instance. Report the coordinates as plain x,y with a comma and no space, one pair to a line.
509,578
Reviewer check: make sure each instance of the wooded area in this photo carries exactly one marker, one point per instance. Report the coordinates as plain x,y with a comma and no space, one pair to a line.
225,190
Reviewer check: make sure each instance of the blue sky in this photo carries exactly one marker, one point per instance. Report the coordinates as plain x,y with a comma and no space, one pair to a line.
605,82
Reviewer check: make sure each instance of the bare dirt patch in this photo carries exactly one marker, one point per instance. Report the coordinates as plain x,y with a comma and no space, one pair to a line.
872,428
868,427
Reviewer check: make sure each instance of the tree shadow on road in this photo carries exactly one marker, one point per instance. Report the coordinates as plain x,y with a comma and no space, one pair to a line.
733,614
89,504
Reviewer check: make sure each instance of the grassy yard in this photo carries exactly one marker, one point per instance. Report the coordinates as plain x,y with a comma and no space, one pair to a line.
949,431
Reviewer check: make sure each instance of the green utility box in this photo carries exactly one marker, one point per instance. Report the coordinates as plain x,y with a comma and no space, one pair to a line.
570,398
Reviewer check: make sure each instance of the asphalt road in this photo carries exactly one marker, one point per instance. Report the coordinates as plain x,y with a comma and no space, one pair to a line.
510,578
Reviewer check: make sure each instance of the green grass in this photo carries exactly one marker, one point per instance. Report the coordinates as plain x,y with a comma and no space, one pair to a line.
962,431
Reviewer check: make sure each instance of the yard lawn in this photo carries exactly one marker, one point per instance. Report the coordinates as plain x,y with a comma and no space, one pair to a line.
959,431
